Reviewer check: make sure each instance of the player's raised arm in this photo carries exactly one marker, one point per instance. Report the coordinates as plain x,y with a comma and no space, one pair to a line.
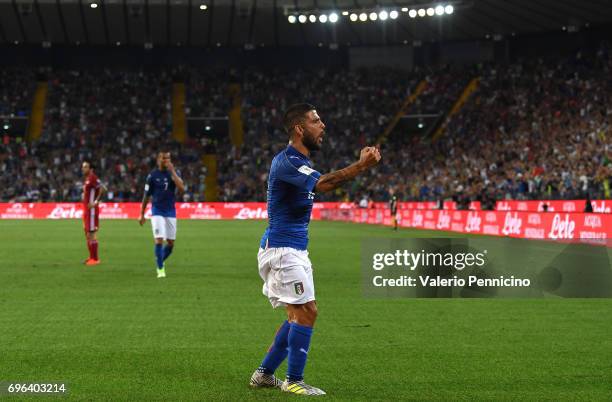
180,185
369,157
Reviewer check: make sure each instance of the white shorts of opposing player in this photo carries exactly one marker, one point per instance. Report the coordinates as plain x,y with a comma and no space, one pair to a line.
163,227
287,275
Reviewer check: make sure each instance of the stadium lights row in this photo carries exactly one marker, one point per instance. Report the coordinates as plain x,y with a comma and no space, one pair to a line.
429,11
363,16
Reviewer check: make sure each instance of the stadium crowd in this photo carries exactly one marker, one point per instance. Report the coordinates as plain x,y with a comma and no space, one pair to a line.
535,129
353,105
119,120
16,91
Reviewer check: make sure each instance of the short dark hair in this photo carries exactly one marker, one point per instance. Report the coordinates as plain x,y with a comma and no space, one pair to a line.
90,163
294,114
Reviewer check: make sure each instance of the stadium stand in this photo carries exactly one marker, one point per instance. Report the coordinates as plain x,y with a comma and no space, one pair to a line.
534,129
16,91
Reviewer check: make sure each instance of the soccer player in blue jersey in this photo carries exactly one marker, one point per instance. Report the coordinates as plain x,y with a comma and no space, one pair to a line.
161,186
283,260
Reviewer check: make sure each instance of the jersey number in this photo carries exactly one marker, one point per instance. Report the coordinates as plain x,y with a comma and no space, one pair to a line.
166,184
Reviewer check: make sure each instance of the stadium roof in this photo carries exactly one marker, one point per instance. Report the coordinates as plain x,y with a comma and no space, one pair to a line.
266,22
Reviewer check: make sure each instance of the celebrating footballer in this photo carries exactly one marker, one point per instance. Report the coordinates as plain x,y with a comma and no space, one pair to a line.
283,259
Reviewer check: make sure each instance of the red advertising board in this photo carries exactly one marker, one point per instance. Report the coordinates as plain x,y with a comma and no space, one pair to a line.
564,226
552,225
131,210
599,206
257,210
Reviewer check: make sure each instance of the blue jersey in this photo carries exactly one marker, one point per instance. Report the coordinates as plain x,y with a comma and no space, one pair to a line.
161,188
290,198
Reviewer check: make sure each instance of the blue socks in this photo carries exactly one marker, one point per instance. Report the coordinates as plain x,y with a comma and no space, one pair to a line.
278,351
291,339
167,251
159,255
299,342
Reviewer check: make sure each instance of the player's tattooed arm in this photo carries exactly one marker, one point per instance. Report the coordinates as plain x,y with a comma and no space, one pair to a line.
333,180
369,157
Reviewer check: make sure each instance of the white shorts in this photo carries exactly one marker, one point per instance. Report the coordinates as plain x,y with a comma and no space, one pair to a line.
163,228
287,275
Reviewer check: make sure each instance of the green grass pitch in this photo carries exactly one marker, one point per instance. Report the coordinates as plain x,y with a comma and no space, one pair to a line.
114,332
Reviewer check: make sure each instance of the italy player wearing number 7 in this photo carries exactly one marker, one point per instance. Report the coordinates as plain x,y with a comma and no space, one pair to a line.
283,260
161,186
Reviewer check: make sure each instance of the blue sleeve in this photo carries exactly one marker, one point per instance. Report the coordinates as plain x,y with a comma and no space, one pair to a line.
300,175
148,186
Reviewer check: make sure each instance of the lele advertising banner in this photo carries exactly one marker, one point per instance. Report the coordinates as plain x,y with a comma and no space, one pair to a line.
596,227
589,228
599,206
131,210
257,210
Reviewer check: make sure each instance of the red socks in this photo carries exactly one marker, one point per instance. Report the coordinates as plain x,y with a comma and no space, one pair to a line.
92,246
94,249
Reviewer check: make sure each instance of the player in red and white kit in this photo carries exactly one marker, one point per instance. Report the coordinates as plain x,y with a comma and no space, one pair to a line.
92,193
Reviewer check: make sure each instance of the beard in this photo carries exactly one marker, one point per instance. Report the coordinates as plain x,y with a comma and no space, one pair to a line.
310,142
